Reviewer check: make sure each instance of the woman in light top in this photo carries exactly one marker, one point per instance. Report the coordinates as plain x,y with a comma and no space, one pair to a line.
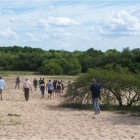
2,86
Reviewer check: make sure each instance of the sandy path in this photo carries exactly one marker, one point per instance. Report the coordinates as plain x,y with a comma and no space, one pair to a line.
41,118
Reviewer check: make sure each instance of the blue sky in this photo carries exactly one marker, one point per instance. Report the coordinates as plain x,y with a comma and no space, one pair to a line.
70,25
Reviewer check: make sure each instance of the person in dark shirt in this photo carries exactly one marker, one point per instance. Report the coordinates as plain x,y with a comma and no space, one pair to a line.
54,88
17,82
42,87
40,82
95,91
62,86
35,82
59,89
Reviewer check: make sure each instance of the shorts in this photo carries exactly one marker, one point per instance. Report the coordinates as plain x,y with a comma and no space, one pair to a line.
0,91
59,91
49,91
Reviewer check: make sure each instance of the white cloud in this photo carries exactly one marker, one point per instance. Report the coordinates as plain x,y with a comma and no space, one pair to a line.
43,23
32,38
65,45
60,21
120,24
86,38
61,35
73,22
45,37
8,12
51,7
19,21
55,21
92,29
135,11
8,34
55,30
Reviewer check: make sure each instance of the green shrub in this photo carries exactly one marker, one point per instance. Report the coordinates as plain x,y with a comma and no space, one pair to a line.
121,87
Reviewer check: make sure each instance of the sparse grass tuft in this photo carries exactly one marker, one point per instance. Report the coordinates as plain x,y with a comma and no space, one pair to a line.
7,73
12,122
9,114
1,121
78,106
120,112
112,108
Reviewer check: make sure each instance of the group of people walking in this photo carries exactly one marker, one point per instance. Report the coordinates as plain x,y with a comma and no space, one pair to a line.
54,88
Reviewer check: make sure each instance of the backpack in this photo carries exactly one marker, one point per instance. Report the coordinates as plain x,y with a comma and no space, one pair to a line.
59,86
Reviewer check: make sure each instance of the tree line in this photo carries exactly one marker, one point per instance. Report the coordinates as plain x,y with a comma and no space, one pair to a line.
61,62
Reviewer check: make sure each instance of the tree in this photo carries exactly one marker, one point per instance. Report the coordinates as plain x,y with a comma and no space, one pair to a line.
51,68
86,62
64,63
118,87
74,66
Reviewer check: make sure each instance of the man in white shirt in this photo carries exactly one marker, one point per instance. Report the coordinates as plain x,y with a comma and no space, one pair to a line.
2,86
26,87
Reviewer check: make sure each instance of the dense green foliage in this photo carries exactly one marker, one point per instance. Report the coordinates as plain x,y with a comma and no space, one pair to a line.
119,86
117,72
56,62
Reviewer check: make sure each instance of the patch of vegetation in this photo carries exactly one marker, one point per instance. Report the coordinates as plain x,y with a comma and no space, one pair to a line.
121,109
120,90
9,114
78,106
12,122
62,77
7,73
135,115
120,112
1,121
106,107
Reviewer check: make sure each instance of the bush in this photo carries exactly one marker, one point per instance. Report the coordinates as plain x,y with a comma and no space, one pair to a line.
118,88
51,68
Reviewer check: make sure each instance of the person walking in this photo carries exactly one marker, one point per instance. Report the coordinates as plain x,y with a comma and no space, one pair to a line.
54,88
69,87
2,86
59,89
49,87
35,82
62,86
95,91
17,82
42,87
44,83
40,83
26,87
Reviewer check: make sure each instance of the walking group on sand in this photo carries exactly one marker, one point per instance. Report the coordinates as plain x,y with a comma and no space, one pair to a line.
54,88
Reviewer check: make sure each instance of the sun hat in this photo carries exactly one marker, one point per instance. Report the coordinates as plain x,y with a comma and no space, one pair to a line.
93,80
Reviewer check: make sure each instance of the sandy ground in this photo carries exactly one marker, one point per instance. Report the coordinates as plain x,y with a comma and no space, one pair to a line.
41,118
